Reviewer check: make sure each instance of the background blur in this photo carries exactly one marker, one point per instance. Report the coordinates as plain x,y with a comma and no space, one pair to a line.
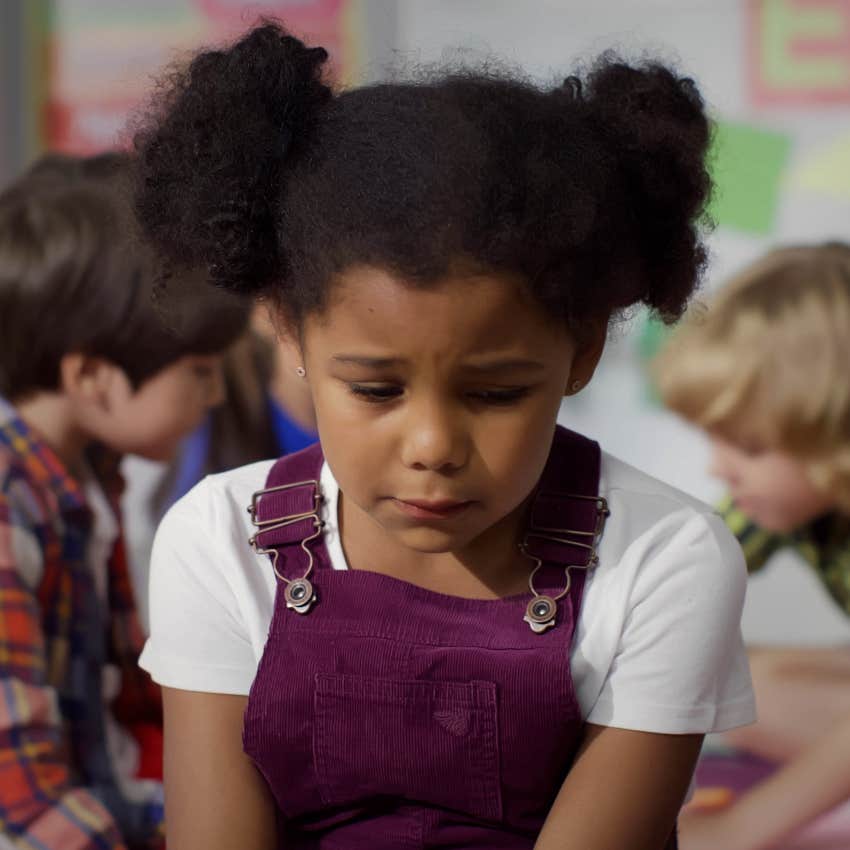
776,74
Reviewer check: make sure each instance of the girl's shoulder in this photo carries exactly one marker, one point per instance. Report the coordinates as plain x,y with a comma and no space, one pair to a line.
640,499
225,491
651,522
635,486
214,513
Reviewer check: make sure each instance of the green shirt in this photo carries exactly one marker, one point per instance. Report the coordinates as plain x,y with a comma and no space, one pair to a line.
824,544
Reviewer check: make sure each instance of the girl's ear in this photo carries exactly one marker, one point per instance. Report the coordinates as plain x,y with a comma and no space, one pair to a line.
282,335
586,358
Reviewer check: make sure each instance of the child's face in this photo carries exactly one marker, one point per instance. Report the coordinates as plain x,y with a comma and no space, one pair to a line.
151,420
436,407
768,485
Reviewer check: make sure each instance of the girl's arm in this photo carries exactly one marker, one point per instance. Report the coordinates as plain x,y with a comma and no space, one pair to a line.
809,785
214,797
624,790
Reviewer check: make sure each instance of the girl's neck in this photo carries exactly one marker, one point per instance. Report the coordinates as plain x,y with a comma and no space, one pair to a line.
50,415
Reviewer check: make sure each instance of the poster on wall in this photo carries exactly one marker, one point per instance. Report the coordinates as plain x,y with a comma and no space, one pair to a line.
105,57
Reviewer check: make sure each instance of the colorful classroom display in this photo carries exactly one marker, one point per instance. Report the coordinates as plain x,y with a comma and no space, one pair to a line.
103,57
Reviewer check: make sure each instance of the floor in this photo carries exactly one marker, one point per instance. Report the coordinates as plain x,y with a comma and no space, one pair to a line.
738,772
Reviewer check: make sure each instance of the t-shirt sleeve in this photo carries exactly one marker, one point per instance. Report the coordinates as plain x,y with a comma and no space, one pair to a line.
198,639
680,665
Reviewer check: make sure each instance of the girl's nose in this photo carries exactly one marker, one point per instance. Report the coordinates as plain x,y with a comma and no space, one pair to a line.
434,439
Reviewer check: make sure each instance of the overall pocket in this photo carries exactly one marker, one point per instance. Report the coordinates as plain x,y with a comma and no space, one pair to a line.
435,743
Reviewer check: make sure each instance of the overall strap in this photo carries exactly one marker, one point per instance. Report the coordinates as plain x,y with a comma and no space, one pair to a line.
566,515
286,513
564,522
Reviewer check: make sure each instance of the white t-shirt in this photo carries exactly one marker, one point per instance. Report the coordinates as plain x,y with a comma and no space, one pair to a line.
658,645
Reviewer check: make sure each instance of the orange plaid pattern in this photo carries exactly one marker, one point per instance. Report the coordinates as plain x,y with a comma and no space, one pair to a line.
57,791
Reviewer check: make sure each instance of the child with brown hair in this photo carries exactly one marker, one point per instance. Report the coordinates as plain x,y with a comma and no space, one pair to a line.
90,368
764,373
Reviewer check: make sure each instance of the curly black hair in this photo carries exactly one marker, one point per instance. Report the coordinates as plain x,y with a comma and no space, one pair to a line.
593,191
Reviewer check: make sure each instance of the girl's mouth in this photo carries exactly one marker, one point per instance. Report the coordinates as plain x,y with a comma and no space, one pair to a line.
436,509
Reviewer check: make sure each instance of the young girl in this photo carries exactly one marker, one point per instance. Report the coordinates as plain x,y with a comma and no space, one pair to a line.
450,624
764,372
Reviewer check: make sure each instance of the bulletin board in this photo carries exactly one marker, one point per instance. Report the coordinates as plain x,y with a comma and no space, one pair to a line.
103,58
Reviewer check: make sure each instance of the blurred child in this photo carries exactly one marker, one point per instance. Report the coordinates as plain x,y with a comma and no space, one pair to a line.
765,373
268,413
90,368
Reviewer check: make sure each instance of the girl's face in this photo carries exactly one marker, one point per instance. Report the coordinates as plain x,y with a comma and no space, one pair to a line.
769,486
436,407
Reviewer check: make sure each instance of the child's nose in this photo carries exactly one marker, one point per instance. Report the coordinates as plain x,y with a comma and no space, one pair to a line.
434,439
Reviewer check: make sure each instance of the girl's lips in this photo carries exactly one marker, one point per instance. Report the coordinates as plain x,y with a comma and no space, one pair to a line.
431,510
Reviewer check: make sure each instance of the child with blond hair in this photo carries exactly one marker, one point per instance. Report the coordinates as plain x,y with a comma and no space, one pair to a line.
764,373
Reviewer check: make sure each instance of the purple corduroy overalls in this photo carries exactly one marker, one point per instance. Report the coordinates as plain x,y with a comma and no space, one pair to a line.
393,717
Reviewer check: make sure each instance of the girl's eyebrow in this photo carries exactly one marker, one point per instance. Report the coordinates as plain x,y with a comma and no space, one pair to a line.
373,362
506,365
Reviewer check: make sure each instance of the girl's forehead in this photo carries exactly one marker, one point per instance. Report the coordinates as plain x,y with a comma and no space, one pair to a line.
381,301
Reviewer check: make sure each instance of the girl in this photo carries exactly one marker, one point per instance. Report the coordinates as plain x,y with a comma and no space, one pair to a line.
435,639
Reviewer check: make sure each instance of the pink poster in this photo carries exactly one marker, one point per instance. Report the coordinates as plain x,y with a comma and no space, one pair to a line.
799,52
104,57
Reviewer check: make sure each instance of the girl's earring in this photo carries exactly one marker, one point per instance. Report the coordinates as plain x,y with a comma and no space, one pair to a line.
300,371
575,386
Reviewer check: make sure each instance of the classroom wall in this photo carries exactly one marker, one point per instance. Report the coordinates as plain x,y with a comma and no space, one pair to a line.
11,90
23,73
776,76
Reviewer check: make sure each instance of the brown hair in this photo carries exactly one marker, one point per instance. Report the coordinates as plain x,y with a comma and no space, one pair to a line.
74,277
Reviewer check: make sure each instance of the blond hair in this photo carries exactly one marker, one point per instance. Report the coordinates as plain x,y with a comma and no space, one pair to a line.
769,360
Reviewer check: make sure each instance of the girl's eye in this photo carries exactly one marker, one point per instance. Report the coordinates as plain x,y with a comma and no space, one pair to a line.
506,396
375,392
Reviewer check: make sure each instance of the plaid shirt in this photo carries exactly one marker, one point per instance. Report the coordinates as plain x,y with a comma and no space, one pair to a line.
823,544
58,790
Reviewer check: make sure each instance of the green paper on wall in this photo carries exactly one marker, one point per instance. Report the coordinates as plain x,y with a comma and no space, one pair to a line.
747,164
652,336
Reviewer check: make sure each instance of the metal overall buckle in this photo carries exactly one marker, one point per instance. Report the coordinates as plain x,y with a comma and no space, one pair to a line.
541,610
299,593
